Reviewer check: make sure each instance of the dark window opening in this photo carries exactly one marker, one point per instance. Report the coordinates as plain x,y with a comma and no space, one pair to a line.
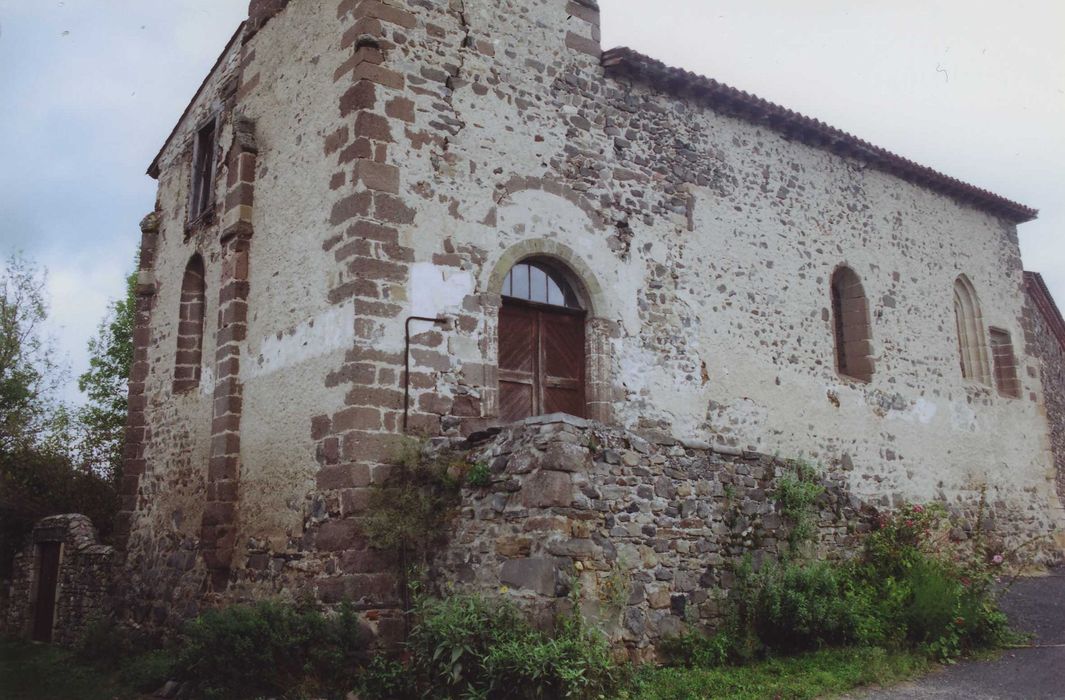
851,326
201,195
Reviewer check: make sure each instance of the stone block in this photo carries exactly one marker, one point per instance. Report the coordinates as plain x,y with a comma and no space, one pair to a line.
547,489
567,457
338,535
539,575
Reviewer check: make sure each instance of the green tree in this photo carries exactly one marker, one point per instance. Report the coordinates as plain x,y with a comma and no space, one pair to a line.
39,436
106,384
29,374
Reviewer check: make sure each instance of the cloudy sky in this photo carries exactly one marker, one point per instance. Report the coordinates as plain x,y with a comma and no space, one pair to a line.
90,88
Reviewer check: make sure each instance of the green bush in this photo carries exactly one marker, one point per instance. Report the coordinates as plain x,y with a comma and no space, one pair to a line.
794,607
148,671
479,476
912,588
694,649
386,678
796,493
467,646
271,649
803,607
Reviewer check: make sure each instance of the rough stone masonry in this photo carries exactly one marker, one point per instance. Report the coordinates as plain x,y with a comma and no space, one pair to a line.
339,209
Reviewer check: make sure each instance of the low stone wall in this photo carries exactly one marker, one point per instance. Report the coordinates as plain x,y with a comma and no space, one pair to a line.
651,532
85,589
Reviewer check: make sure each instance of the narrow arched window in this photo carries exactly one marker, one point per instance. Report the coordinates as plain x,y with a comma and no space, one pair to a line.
853,331
190,326
541,343
972,345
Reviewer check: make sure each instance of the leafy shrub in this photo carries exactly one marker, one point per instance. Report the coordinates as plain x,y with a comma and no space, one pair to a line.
800,606
107,645
469,646
386,678
110,647
408,514
694,649
148,671
270,649
797,491
912,588
937,594
479,476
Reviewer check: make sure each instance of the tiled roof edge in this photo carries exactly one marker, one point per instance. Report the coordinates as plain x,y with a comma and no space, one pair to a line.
743,105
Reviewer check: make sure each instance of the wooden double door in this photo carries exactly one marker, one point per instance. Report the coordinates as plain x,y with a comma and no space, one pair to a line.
541,360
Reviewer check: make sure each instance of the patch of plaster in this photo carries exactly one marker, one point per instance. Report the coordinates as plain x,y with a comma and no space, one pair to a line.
436,291
207,380
921,411
963,417
330,331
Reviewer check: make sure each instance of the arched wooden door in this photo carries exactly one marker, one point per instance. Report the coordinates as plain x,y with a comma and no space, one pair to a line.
541,345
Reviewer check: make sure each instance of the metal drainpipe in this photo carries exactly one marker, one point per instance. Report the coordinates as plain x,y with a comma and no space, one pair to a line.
440,321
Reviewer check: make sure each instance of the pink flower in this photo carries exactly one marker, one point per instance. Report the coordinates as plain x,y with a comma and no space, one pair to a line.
918,509
909,523
997,559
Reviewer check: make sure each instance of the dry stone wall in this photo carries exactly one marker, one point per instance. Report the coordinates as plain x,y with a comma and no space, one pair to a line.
85,590
650,533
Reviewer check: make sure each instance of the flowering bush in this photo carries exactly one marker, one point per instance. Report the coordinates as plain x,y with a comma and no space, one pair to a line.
939,590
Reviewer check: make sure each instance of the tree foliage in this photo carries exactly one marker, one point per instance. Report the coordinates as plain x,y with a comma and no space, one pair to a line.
106,384
29,373
46,467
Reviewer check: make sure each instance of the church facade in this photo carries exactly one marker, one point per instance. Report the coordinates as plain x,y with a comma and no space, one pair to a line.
433,217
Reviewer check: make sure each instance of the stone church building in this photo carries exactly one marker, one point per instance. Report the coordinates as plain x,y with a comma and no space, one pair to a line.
439,217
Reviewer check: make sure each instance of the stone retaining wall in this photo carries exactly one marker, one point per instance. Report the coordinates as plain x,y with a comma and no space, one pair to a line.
651,531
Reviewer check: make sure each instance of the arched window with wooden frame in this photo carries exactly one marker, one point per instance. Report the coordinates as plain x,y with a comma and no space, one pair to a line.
191,317
541,342
852,328
972,342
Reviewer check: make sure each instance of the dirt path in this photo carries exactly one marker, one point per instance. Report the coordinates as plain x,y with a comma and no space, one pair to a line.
1034,605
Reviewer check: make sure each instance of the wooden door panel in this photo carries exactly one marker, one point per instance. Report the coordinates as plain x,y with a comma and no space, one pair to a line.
562,342
563,346
517,339
564,401
515,401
